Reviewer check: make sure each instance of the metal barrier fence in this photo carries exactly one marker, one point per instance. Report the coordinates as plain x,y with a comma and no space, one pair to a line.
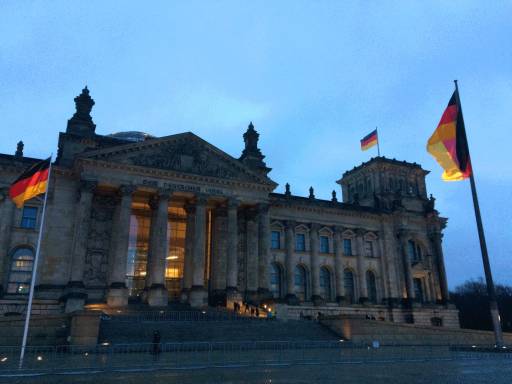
194,355
210,315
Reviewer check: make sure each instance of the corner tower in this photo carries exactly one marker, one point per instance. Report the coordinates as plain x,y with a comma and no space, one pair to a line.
386,184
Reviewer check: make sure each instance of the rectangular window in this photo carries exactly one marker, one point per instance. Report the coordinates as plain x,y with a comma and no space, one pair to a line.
368,248
300,242
347,247
324,244
276,240
29,217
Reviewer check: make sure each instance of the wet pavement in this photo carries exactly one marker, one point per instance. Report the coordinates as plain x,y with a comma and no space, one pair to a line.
491,370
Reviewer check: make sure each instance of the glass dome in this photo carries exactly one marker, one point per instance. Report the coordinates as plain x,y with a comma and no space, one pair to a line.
132,136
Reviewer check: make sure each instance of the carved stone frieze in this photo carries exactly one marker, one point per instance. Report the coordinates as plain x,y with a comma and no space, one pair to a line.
98,244
186,156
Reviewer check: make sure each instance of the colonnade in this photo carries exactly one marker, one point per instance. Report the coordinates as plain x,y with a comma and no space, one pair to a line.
225,269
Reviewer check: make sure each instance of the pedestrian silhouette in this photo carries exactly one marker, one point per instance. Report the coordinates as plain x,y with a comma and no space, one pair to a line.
156,343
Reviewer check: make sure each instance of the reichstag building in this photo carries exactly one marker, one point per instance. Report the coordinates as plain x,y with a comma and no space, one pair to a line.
133,218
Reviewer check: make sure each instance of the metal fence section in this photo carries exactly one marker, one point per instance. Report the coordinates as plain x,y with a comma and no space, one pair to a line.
221,354
155,316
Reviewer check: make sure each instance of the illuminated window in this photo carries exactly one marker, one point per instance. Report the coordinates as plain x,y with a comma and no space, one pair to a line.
138,246
21,271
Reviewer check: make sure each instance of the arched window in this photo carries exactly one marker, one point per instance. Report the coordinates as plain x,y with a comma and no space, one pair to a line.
325,284
371,287
275,280
348,279
300,283
20,274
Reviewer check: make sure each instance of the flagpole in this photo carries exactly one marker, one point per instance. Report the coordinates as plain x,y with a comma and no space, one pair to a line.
34,270
493,304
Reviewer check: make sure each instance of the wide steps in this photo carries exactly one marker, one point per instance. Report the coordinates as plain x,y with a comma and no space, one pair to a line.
121,331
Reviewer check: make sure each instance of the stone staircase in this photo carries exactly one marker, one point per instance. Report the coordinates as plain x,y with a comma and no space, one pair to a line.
123,329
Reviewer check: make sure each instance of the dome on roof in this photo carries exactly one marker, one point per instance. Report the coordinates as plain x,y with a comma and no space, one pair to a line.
132,136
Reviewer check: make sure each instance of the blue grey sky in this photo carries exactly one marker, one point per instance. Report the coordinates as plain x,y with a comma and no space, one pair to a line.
313,76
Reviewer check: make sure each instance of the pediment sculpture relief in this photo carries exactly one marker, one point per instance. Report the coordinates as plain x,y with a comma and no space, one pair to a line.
187,156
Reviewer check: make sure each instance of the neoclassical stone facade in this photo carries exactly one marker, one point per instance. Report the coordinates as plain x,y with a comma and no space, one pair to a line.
136,218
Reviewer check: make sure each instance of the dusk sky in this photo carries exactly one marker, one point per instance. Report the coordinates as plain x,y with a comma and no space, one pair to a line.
313,76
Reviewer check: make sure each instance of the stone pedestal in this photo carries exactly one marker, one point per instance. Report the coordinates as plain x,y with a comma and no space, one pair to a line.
198,297
75,297
117,297
85,328
158,296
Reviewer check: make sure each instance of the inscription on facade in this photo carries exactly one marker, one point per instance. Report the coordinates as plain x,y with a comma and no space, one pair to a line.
184,187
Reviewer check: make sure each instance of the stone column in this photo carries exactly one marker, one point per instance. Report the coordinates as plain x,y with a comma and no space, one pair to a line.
198,295
232,293
383,269
159,250
315,265
75,290
437,238
117,295
264,252
188,270
291,298
392,264
361,270
219,256
252,254
338,265
409,286
6,224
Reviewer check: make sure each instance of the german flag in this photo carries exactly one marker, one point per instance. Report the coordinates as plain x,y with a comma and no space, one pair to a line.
369,140
31,183
449,145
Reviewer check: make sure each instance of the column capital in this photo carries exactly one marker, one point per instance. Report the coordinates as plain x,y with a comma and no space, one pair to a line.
127,189
164,193
233,203
339,229
201,199
290,224
314,227
360,231
88,185
190,208
251,213
263,208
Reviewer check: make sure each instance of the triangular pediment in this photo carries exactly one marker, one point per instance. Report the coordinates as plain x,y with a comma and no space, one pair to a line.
185,153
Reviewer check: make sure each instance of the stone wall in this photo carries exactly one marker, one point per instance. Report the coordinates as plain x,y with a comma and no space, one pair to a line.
362,331
44,330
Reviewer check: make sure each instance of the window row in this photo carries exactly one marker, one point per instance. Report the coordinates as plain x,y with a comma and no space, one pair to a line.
302,286
324,244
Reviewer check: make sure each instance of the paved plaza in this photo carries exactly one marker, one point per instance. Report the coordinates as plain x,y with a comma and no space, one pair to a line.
495,370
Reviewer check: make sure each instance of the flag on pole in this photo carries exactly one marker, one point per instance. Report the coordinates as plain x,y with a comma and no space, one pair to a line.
369,140
448,144
31,183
